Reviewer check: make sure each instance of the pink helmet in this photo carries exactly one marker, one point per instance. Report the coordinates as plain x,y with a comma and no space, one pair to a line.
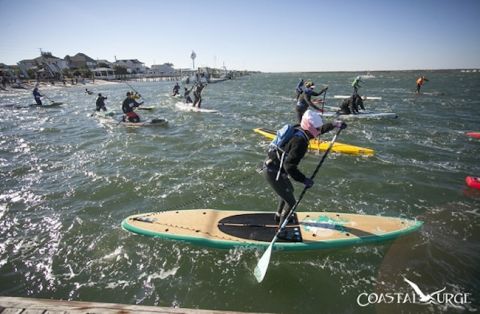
311,122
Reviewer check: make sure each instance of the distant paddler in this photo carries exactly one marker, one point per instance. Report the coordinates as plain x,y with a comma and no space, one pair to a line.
37,96
420,81
101,103
176,89
356,84
351,105
88,92
127,107
305,99
135,95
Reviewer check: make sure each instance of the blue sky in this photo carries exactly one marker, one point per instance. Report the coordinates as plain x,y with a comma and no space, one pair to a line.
264,35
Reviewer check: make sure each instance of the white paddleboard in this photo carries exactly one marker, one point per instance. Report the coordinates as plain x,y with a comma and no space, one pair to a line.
362,115
363,97
153,122
188,107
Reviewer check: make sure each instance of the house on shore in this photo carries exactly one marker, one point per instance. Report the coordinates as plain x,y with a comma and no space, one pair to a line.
80,61
133,66
45,67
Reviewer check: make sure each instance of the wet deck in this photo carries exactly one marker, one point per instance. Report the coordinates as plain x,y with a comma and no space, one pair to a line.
17,305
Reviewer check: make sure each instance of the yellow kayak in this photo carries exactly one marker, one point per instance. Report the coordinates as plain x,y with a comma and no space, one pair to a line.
323,145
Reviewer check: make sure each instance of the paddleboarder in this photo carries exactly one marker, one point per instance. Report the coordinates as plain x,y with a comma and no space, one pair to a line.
356,84
305,99
127,107
351,105
37,95
420,81
186,95
298,89
176,89
88,92
295,148
101,103
197,94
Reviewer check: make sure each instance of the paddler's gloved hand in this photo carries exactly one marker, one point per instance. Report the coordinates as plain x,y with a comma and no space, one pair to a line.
339,124
308,183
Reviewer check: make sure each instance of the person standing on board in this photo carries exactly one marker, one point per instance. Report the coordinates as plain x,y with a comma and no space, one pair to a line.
305,99
420,81
311,126
186,95
356,84
37,95
176,89
127,107
101,103
197,94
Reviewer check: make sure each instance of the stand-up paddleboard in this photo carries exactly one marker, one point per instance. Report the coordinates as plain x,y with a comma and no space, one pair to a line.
307,231
49,105
473,134
153,122
363,114
363,97
188,107
145,108
432,93
473,182
104,114
323,145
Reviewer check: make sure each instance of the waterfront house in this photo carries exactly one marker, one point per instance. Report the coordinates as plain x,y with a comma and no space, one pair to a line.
133,66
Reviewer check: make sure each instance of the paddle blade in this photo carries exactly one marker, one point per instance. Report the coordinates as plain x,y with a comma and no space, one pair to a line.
262,265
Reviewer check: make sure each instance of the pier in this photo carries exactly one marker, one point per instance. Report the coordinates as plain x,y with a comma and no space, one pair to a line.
18,305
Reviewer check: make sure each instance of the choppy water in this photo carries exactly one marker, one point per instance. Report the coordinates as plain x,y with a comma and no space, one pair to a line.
67,181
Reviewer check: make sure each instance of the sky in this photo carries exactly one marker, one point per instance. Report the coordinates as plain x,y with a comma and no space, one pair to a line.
256,35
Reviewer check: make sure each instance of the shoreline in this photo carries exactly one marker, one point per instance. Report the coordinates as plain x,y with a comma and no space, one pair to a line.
29,86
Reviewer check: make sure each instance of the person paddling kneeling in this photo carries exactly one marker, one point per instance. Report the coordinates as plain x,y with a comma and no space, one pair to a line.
295,148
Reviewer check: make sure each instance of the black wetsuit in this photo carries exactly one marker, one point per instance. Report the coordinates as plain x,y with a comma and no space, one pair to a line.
176,88
198,95
295,150
186,94
101,103
36,96
351,105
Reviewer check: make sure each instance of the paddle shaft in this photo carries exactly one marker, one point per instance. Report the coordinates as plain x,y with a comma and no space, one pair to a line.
323,103
48,98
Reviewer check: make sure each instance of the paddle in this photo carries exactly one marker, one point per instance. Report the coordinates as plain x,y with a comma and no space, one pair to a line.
48,98
262,265
323,102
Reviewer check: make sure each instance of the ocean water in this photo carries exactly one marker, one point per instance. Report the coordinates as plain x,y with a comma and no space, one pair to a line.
68,180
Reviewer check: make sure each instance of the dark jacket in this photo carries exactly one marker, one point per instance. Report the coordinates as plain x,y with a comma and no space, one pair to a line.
295,150
305,98
128,105
101,101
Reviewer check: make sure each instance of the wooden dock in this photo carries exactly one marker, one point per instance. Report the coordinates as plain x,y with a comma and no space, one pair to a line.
16,305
